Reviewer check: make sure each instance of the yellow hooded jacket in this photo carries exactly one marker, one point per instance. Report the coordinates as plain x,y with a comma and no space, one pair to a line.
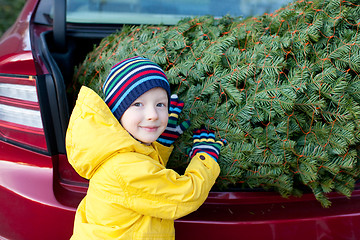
131,194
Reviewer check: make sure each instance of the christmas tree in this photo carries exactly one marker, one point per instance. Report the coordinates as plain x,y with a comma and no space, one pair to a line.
282,88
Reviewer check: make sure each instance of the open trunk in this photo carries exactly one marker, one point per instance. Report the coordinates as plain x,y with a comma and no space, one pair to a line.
228,215
223,212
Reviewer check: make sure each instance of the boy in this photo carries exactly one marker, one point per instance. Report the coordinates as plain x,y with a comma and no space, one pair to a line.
122,146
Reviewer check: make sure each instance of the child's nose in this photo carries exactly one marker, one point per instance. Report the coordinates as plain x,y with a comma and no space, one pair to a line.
151,113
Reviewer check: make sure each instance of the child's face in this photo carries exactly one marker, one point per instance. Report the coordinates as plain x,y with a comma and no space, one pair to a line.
147,117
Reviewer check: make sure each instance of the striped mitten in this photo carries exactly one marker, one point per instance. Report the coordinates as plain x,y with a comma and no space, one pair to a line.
173,130
204,141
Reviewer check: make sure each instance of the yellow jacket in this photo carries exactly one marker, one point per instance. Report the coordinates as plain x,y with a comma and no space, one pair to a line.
131,194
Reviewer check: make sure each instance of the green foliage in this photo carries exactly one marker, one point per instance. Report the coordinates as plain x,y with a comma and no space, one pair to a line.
9,10
282,88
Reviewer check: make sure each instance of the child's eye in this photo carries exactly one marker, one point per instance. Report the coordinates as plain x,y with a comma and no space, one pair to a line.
161,105
137,104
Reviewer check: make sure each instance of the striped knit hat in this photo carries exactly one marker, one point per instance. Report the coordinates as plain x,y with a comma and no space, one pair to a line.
128,80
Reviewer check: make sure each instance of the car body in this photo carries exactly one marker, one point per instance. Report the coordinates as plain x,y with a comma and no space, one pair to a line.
39,190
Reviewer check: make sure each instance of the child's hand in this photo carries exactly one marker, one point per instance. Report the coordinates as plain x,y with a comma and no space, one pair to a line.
173,130
204,141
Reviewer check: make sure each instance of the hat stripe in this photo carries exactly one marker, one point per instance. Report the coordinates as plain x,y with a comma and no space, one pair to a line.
126,65
132,74
119,101
129,82
121,66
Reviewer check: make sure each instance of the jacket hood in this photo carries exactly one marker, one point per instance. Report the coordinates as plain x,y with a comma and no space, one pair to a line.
94,135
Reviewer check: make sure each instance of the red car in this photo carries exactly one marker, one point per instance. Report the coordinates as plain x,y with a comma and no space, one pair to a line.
39,190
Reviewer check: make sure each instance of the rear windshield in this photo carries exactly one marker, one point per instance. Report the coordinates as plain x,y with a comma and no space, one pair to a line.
167,12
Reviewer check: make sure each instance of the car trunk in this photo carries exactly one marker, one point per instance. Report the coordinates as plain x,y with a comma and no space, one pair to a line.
230,214
234,208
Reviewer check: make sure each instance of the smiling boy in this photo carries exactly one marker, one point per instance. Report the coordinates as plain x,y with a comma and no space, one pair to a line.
122,146
147,118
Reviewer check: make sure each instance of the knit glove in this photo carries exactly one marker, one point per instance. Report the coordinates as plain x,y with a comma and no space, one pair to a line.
173,130
204,141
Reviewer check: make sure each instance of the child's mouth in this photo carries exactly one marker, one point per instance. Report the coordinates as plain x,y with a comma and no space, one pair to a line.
150,129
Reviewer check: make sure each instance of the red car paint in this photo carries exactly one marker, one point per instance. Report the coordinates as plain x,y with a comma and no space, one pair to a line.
39,191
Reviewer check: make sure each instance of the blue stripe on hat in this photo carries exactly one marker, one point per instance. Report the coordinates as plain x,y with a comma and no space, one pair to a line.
130,74
132,62
149,78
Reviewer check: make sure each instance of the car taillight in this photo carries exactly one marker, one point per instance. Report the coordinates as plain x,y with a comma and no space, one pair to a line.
20,117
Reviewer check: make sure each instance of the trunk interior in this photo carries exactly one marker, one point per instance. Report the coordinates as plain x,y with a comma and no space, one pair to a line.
69,187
